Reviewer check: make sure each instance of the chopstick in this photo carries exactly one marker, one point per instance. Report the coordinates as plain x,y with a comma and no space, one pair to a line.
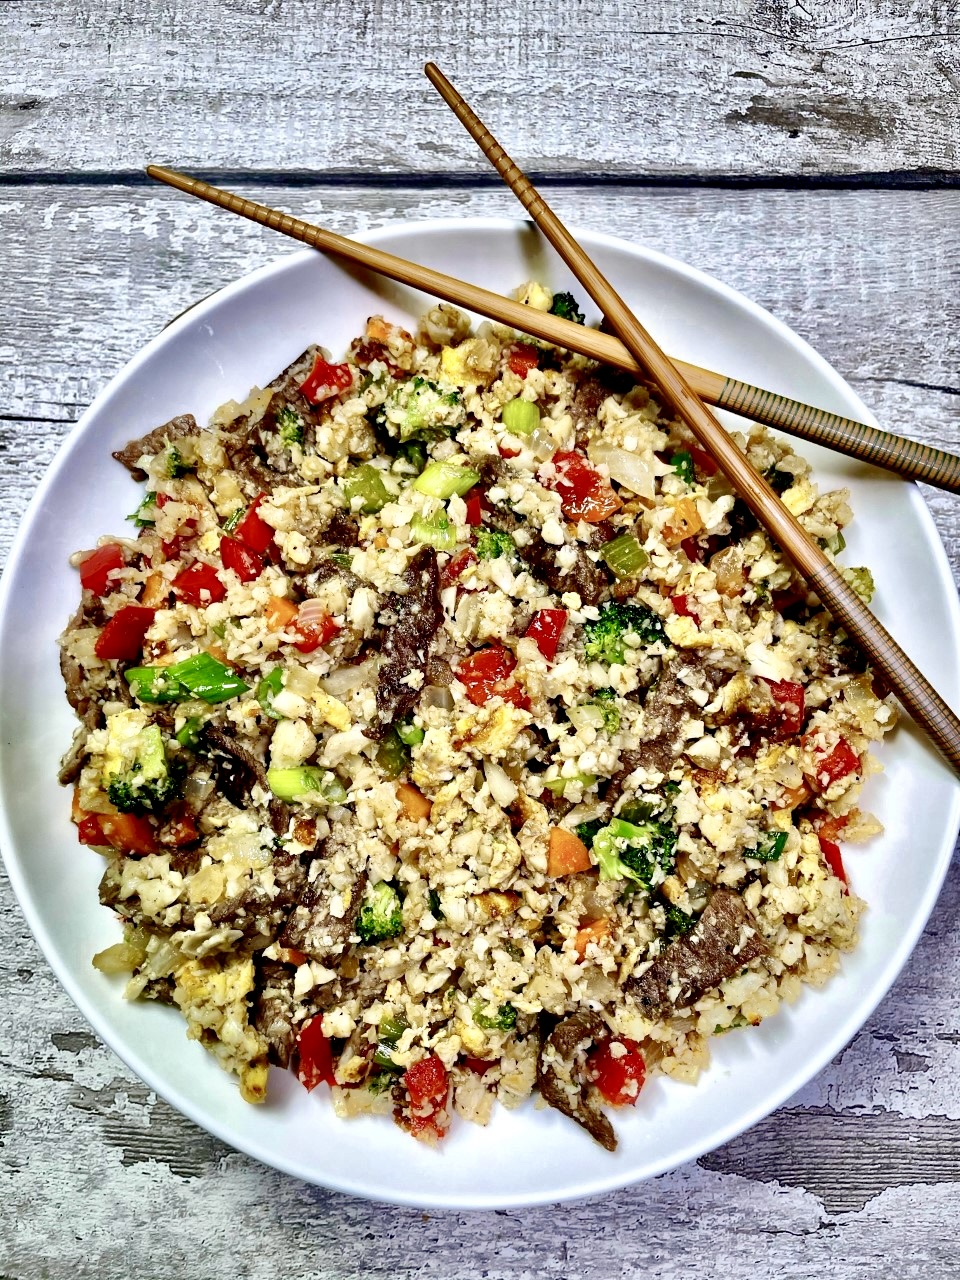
921,700
907,458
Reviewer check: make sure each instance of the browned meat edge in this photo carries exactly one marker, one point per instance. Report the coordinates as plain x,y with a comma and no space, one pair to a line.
725,940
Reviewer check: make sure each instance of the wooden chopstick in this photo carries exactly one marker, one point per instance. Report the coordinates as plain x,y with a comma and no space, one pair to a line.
868,444
919,697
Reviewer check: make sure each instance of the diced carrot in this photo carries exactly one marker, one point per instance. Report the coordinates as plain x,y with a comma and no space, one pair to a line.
413,802
684,523
793,797
279,613
566,853
156,591
590,931
378,330
381,542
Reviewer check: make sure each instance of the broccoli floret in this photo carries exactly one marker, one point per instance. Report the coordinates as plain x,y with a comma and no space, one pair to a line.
418,409
603,700
150,784
640,852
505,1018
565,306
290,425
492,543
176,467
380,916
587,831
779,481
678,922
604,637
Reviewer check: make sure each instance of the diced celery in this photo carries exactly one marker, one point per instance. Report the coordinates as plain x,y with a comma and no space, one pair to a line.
435,530
520,417
443,480
861,579
267,690
624,556
366,484
410,734
559,785
835,544
308,783
189,735
392,756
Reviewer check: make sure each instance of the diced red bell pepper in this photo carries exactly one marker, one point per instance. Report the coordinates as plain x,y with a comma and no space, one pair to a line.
506,452
702,460
681,607
122,638
475,505
834,861
246,563
789,697
173,549
427,1081
618,1070
546,627
326,380
836,764
316,1056
584,494
315,633
96,568
199,585
457,566
486,674
522,359
129,832
89,830
253,530
479,1066
692,549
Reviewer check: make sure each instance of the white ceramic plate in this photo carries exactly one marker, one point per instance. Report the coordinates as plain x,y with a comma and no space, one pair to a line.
247,333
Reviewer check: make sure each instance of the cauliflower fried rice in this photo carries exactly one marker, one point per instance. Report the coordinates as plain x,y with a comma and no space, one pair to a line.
450,732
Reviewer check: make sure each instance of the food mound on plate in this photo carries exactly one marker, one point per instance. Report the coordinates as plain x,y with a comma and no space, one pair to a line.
451,731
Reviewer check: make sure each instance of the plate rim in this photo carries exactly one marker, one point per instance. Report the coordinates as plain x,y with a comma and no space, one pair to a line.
395,231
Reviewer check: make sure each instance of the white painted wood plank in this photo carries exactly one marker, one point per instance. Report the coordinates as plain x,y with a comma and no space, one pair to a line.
664,87
855,1176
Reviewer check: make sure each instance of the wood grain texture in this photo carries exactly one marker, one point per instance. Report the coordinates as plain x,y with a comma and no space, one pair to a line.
702,87
855,1178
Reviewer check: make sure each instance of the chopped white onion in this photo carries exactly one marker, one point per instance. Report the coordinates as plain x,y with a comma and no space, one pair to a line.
196,791
630,469
541,444
502,787
345,680
312,612
300,681
435,696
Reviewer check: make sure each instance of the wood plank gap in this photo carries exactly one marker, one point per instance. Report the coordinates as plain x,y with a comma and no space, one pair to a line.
892,180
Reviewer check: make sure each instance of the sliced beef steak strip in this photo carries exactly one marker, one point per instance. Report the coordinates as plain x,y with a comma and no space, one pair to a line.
184,424
557,1074
417,617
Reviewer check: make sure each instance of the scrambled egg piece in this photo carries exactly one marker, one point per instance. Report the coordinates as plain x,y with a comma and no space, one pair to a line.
213,999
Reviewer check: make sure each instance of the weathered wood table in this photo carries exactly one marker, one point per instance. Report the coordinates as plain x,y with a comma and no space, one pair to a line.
809,156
